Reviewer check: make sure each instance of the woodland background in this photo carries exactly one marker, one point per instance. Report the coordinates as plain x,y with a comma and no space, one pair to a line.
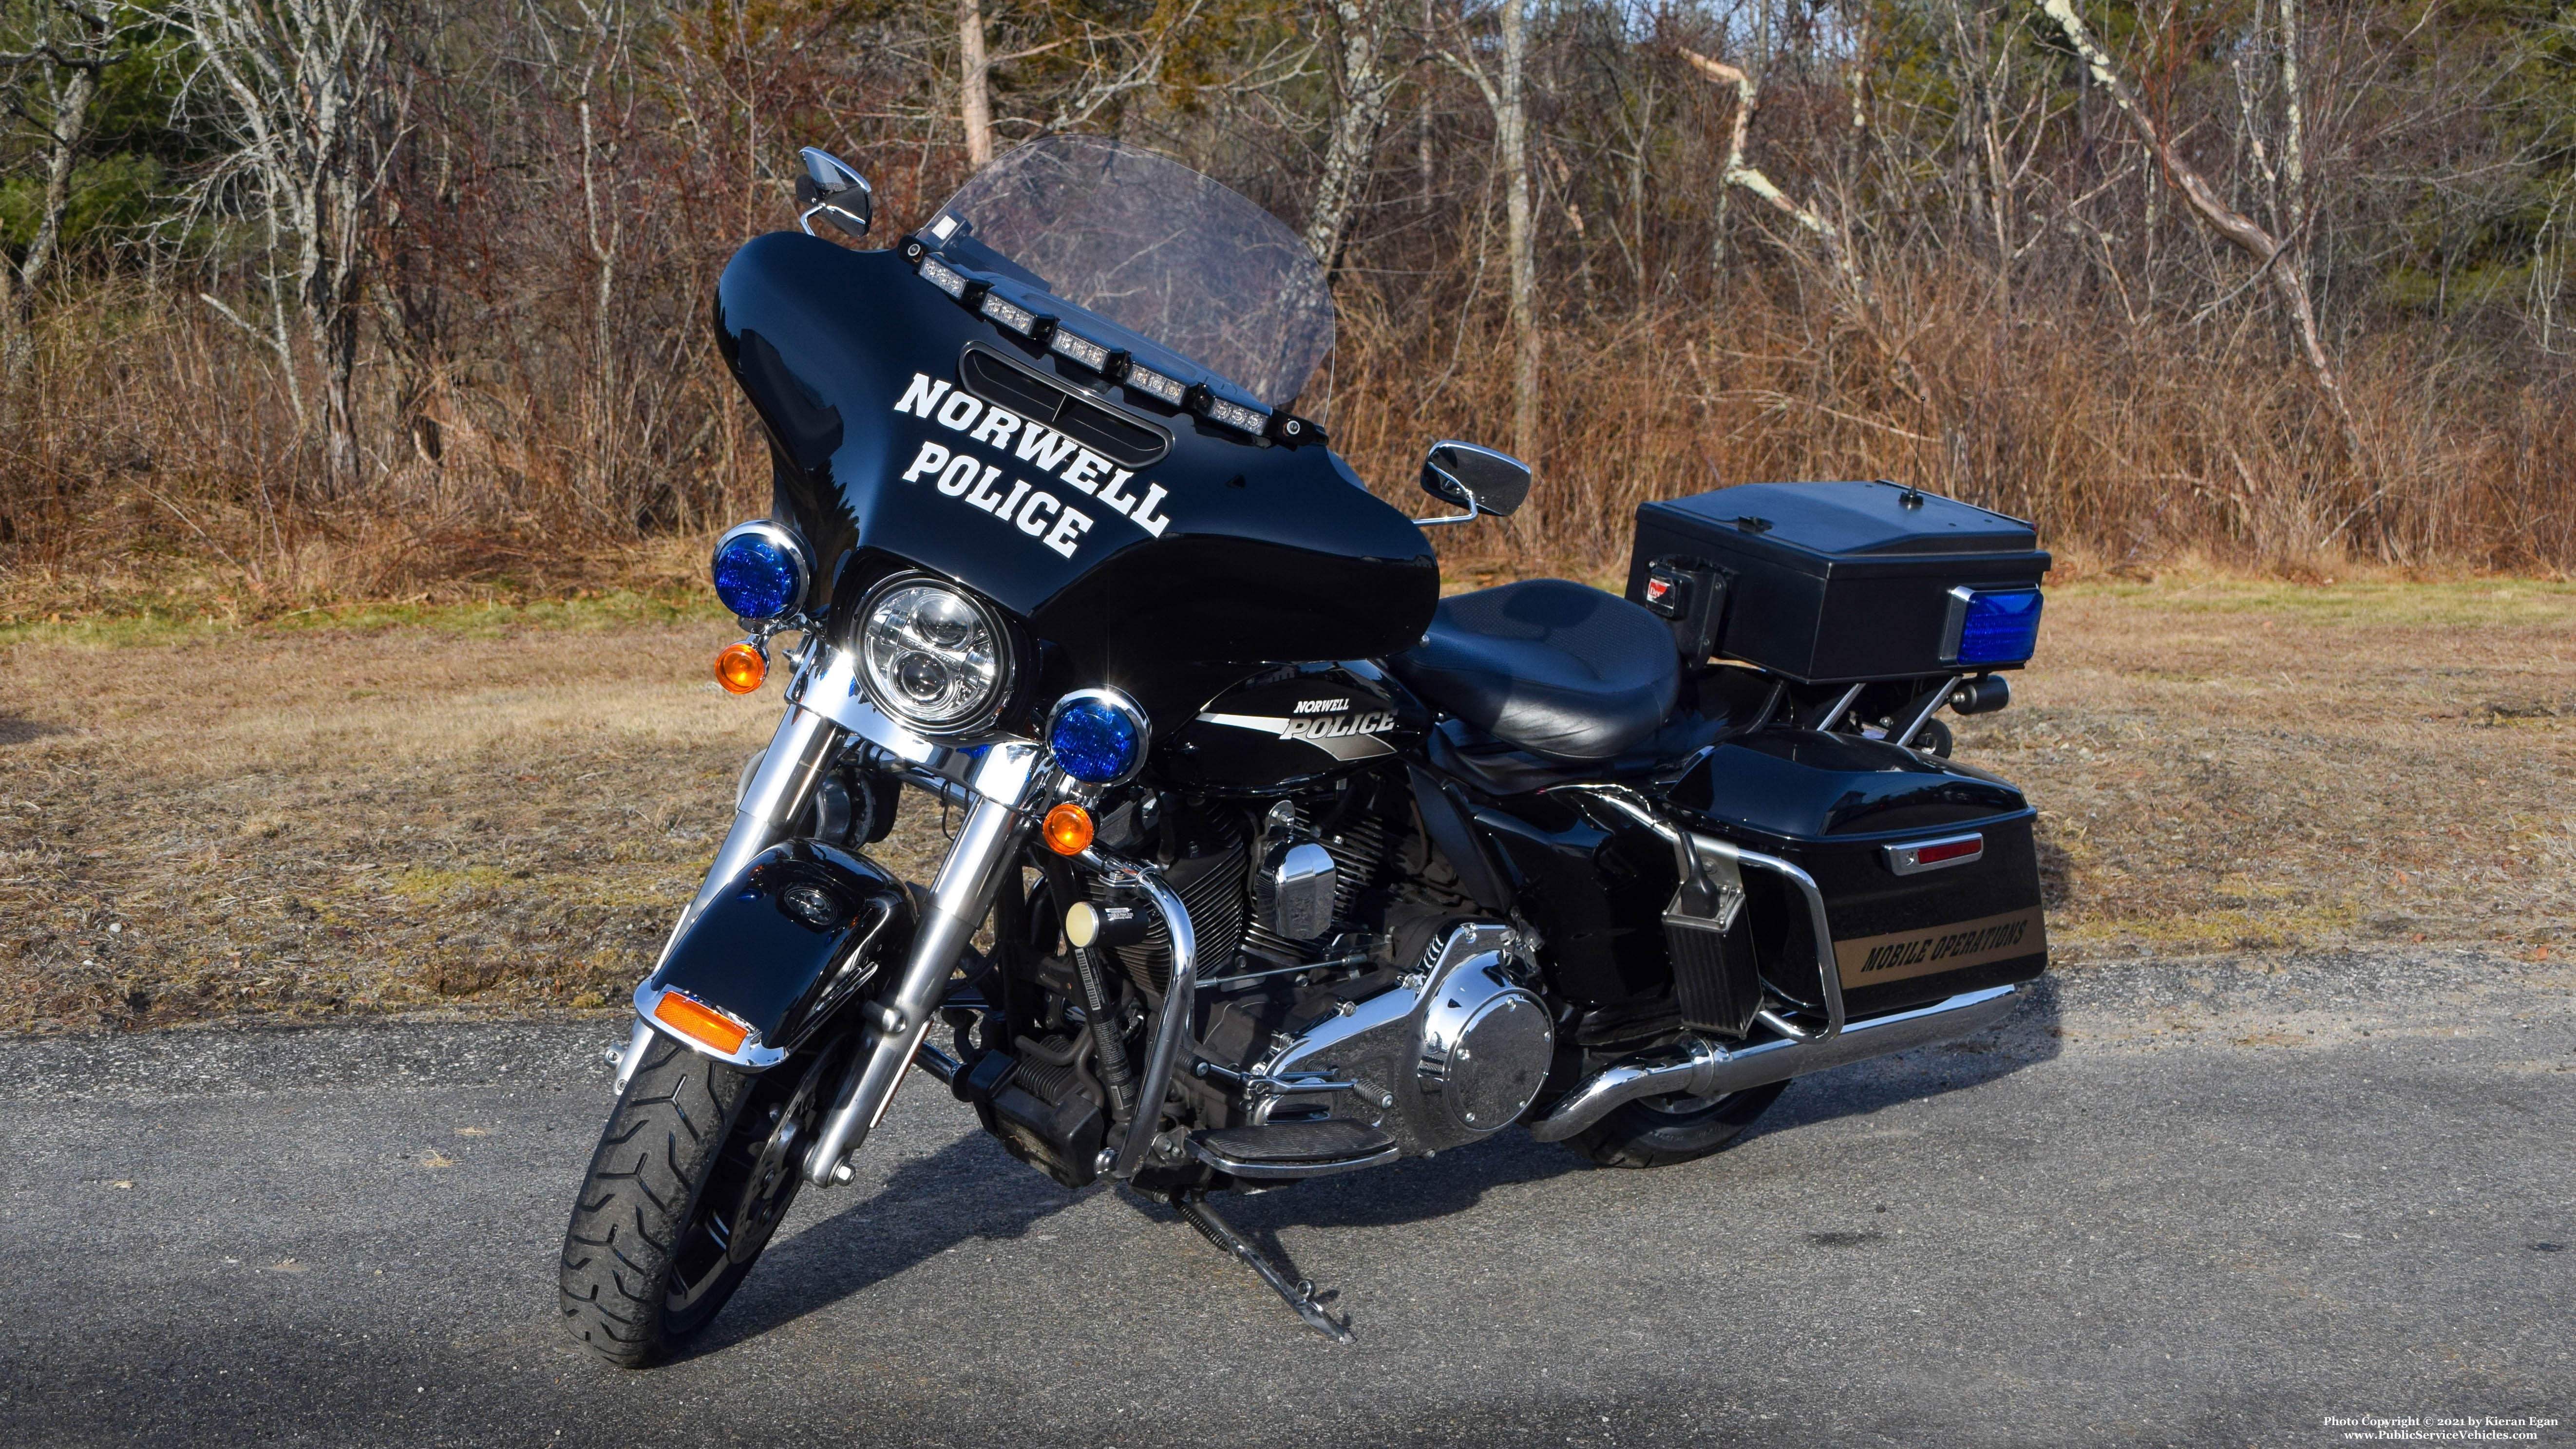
317,300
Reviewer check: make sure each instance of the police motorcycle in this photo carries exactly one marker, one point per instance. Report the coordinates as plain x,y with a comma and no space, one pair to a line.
1268,861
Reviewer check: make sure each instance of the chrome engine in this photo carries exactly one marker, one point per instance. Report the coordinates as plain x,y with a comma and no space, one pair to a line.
1456,1051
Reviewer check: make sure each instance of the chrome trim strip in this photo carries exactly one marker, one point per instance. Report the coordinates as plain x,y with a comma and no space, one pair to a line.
1954,622
751,1055
1907,859
1698,1067
1286,1171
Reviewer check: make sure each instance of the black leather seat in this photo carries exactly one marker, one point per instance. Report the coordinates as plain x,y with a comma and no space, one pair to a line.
1555,668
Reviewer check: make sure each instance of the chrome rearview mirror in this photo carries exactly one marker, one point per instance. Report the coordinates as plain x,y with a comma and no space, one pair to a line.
1479,480
830,188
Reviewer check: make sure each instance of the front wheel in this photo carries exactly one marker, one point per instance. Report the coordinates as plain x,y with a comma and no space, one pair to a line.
1660,1131
695,1169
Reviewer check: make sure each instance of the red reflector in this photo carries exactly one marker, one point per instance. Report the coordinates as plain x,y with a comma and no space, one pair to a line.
1949,850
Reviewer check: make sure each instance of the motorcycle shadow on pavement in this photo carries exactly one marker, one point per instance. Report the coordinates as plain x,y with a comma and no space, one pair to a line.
969,1190
1419,1189
2029,1036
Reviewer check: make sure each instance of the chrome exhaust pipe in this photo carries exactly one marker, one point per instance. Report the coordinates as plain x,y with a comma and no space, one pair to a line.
1697,1067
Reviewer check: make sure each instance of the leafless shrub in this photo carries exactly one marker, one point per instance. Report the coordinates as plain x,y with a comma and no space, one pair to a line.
473,282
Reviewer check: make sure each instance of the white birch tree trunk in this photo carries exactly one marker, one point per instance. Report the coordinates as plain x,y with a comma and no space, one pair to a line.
974,83
1512,122
1366,84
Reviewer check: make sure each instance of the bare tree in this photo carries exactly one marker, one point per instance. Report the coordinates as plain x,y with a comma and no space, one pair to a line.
974,83
1509,101
1365,84
1851,285
2272,259
1116,65
1512,117
299,90
72,42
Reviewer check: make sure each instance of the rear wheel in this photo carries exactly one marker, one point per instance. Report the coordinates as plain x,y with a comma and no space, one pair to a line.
1660,1131
695,1169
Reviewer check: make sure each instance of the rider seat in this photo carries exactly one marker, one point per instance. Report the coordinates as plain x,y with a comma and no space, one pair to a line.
1555,668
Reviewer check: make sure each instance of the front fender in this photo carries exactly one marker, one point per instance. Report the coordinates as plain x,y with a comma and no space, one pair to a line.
787,943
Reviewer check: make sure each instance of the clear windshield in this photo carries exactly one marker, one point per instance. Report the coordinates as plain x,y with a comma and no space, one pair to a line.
1155,247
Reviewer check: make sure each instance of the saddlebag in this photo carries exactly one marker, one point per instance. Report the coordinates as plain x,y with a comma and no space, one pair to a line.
1828,582
1927,867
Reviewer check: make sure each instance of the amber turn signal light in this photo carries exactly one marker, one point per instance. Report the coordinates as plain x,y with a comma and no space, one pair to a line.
740,667
1068,829
700,1023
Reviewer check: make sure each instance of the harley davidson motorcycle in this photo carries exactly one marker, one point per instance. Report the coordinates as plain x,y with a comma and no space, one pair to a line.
1267,860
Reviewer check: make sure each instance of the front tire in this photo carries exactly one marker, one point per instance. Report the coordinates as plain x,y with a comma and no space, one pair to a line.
1660,1131
694,1170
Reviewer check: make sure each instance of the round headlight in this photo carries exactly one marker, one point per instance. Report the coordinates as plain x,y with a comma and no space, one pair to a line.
935,657
1098,735
761,570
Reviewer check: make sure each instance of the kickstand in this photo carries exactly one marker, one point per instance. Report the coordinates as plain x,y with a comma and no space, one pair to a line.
1300,1293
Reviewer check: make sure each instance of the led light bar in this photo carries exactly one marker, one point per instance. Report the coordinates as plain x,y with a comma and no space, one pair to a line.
1154,384
1110,362
1081,349
1236,416
939,274
1014,316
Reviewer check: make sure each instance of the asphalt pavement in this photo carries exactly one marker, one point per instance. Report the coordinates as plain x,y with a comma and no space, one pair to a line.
2206,1203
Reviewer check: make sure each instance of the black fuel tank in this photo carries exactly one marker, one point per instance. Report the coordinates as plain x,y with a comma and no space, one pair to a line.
1285,727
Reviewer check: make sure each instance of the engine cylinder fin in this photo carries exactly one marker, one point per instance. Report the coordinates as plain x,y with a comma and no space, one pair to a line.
1358,846
1215,887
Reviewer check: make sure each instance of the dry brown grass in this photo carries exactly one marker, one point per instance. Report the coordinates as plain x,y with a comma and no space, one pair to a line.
316,822
2223,765
480,813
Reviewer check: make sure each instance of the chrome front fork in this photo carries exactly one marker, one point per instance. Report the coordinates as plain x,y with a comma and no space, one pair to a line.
798,754
1006,786
803,748
1004,790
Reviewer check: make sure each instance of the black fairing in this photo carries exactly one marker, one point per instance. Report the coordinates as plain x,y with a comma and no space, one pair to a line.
782,962
1269,554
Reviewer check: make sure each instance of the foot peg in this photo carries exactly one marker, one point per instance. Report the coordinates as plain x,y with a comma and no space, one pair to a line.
1299,1293
1287,1151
